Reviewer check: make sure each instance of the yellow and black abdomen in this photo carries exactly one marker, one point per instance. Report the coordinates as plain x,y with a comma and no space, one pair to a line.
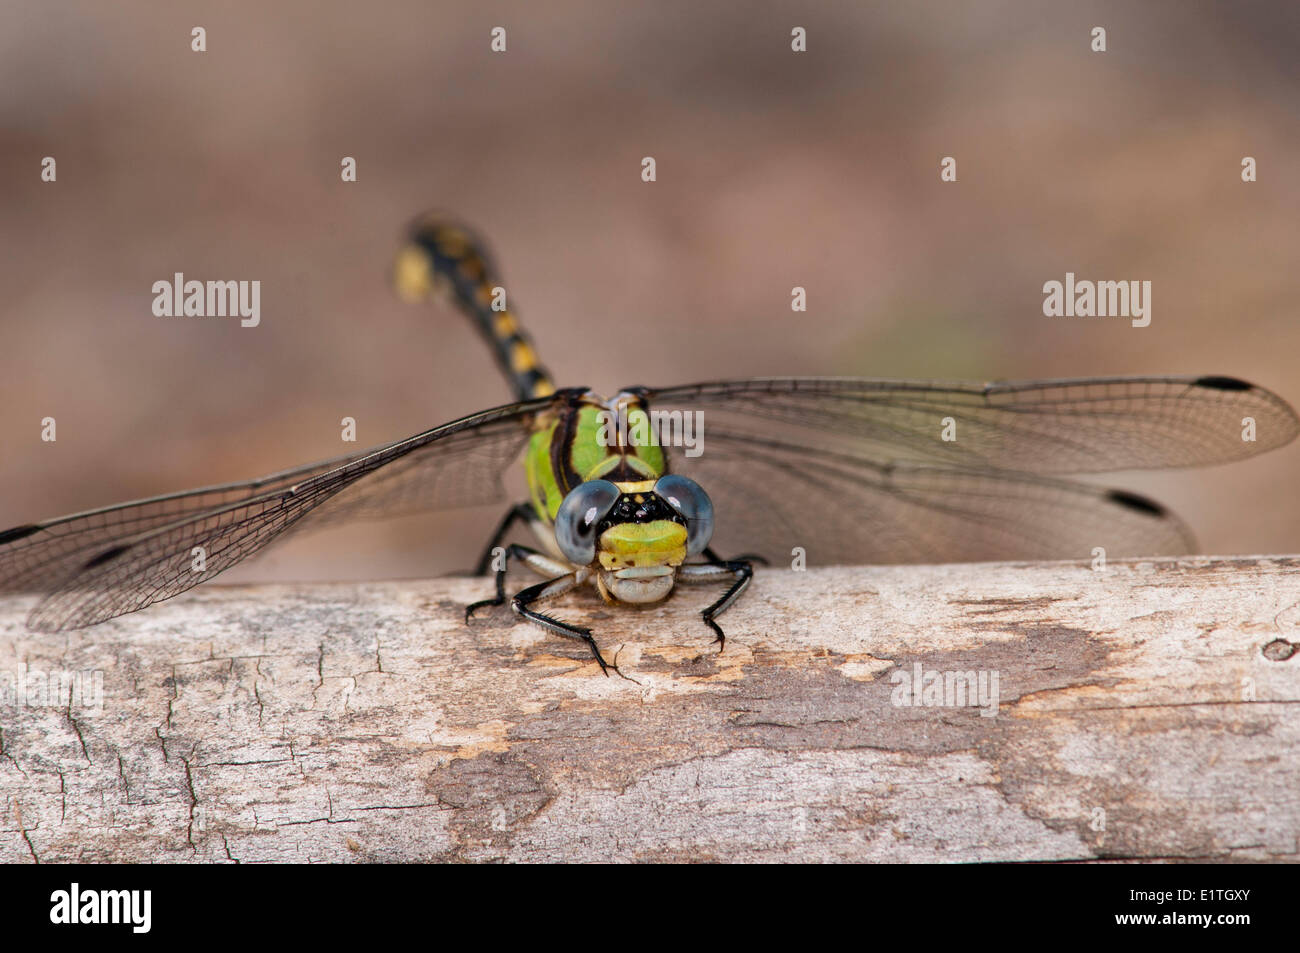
441,256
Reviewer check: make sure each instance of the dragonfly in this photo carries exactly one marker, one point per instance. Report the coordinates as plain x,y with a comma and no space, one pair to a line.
831,470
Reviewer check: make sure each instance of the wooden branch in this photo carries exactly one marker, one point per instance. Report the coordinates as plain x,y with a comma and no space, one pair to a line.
1148,710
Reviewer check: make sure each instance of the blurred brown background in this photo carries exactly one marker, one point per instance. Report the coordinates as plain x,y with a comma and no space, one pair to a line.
775,169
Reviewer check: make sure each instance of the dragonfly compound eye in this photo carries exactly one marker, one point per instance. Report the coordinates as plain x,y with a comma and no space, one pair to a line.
691,503
580,516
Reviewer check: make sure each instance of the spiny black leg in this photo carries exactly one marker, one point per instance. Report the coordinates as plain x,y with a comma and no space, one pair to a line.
513,551
743,571
520,512
526,597
739,569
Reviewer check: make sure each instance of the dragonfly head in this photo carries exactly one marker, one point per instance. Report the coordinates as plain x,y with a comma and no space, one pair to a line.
634,534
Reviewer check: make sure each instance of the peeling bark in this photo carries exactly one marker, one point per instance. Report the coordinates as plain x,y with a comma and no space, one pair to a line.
1145,711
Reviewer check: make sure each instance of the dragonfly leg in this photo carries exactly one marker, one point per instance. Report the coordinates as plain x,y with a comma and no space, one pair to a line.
519,513
540,563
740,570
544,590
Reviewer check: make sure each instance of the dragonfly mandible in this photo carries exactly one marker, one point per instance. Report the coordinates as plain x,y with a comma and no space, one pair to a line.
844,470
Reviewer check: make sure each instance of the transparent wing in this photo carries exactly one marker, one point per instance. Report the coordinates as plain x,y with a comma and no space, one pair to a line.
859,470
1062,426
33,554
771,497
107,562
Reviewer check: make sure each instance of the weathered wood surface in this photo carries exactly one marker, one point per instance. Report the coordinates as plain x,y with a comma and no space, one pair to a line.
1146,711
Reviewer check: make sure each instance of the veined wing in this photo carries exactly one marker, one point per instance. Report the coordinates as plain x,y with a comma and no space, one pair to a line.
34,554
1056,426
858,470
107,562
770,496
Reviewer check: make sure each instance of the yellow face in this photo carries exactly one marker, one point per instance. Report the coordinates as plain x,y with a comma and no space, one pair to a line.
638,561
639,545
634,533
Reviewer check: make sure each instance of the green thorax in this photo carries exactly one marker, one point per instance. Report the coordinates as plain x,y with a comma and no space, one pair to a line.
591,439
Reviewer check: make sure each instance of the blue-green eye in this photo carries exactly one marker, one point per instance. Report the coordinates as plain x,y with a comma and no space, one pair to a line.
578,517
691,503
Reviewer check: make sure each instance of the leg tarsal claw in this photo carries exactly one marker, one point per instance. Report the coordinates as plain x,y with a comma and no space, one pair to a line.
475,606
719,636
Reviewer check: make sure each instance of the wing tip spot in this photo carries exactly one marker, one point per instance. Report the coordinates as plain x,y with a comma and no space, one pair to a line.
17,533
1218,382
1141,504
111,553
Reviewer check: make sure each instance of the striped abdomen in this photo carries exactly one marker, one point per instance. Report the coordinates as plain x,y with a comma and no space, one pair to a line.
441,256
